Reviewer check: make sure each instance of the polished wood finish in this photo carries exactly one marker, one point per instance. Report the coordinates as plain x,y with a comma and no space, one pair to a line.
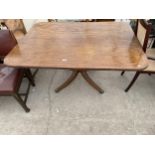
79,47
143,37
75,45
142,32
72,78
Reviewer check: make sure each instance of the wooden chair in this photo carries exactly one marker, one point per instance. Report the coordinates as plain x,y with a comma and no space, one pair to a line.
11,78
16,26
142,33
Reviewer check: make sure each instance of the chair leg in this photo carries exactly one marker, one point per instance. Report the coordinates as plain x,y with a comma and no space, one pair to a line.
122,73
133,81
29,76
35,72
21,102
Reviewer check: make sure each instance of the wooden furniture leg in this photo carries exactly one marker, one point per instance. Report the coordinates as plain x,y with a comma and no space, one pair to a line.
84,75
122,73
133,81
21,102
30,76
91,82
68,81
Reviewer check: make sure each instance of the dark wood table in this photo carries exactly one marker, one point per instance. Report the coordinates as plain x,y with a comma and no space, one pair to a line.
79,47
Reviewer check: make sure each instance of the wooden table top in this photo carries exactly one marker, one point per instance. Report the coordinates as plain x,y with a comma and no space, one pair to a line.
73,45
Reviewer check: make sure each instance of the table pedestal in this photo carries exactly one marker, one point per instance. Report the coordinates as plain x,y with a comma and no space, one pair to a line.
84,75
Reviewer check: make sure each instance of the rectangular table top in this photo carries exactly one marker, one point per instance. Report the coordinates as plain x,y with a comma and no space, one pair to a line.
79,45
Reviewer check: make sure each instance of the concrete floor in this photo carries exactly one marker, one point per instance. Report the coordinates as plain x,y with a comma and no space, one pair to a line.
79,109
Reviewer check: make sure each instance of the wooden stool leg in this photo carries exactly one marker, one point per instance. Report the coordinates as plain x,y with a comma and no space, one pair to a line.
91,82
67,82
133,81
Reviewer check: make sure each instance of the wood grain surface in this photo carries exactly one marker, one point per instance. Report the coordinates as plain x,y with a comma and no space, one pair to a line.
73,45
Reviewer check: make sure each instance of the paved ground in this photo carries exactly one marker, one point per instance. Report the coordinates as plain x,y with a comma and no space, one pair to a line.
79,109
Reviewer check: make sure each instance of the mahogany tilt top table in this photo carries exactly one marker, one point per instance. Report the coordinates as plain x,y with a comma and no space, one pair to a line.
79,47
